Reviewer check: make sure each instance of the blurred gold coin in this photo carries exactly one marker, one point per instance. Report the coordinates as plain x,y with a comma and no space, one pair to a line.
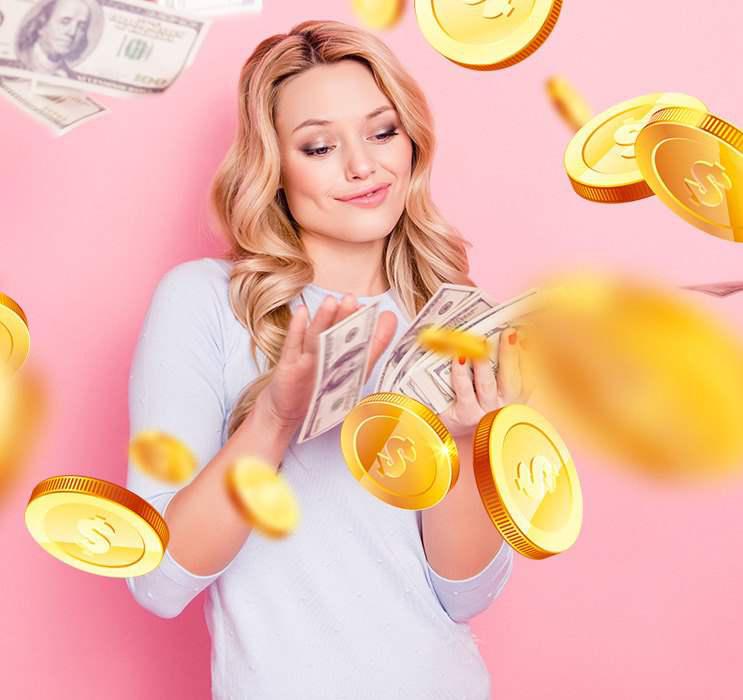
569,103
96,526
263,497
486,34
600,159
15,338
693,161
162,456
378,14
454,343
643,374
527,481
399,450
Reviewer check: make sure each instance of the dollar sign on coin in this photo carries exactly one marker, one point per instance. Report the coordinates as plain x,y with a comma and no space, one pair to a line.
14,335
399,450
693,161
600,159
486,34
527,481
96,526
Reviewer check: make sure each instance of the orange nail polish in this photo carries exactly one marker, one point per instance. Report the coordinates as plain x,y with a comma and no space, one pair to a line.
512,338
461,359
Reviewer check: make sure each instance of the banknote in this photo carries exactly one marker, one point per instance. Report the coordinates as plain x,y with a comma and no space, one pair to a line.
115,47
343,354
429,380
444,302
718,289
213,8
59,113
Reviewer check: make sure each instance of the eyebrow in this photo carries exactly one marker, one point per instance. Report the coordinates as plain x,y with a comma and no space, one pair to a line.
323,122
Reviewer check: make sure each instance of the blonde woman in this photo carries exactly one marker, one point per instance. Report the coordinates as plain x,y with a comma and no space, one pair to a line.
324,197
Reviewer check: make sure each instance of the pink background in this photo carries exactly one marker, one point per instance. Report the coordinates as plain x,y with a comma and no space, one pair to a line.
649,602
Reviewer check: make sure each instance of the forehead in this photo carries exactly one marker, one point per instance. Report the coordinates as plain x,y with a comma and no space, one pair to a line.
70,8
337,91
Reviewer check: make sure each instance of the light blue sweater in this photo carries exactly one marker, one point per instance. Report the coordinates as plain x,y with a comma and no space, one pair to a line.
347,607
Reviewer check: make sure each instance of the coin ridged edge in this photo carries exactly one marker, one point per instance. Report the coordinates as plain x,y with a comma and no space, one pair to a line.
91,486
489,495
5,300
536,41
431,418
613,195
725,131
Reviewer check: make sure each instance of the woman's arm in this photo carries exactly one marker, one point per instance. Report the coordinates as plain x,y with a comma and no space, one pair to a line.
206,530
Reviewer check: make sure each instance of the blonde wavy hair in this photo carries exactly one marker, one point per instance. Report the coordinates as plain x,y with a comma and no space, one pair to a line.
270,266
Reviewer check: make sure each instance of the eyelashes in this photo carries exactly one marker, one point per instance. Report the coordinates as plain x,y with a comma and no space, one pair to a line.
382,137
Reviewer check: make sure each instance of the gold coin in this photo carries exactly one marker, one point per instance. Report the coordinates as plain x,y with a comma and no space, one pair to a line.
15,339
643,374
454,343
527,481
96,526
600,159
486,34
693,161
378,14
399,450
570,104
162,456
263,497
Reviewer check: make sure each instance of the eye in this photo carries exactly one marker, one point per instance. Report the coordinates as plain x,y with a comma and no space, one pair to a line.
319,151
386,135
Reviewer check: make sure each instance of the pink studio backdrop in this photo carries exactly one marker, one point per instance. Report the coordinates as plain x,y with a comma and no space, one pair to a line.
649,602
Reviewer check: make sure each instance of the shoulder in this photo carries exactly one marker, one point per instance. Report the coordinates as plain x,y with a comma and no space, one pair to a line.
197,281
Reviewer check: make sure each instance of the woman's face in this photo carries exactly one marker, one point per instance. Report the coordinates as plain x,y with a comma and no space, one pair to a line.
339,136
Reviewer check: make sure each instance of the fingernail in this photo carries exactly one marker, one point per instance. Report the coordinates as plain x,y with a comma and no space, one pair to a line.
462,359
513,337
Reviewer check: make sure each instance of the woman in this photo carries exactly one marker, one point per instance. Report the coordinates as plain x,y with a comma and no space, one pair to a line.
352,605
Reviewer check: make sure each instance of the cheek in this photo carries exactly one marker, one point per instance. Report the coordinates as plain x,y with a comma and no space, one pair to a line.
305,177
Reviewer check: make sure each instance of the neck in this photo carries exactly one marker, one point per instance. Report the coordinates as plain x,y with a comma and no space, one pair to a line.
347,266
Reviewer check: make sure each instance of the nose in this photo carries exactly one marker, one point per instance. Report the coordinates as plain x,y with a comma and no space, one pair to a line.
359,162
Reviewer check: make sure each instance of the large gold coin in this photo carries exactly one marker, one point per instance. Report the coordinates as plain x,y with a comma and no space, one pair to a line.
378,14
454,343
643,374
15,338
600,159
569,103
486,34
399,450
96,526
263,497
527,481
693,161
162,456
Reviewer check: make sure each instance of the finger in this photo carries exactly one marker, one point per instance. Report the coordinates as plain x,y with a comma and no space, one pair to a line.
508,374
528,367
292,348
461,381
486,387
384,331
348,305
323,317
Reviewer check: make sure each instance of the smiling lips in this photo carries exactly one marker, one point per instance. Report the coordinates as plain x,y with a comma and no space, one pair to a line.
370,196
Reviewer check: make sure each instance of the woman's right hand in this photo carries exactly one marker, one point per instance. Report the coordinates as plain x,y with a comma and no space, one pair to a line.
286,397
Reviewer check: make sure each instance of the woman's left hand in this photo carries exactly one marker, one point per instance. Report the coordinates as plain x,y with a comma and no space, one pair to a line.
512,383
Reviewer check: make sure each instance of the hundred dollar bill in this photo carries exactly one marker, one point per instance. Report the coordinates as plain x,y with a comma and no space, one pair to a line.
445,300
343,354
213,8
59,113
430,379
114,47
718,289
